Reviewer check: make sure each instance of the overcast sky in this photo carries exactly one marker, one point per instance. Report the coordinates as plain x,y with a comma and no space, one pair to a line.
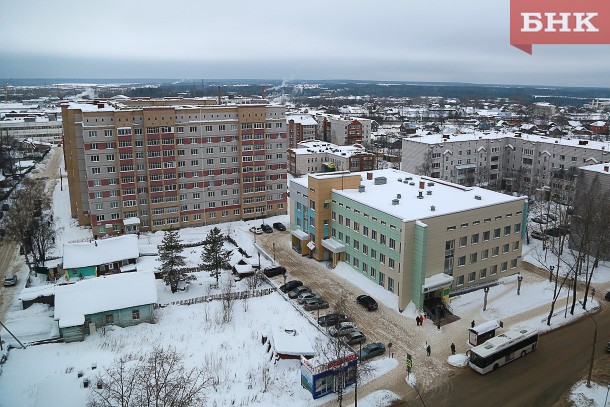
424,40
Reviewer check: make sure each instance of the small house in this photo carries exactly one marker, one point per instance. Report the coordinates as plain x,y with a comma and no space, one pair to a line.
100,256
120,299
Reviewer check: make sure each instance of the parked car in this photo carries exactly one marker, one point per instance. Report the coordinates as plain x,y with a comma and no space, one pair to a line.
279,226
342,328
549,216
10,280
266,228
256,231
332,319
274,271
607,296
367,302
307,296
298,291
538,235
371,350
311,305
354,337
539,219
291,285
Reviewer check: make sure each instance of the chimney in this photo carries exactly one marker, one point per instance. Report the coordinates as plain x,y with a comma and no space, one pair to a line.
477,197
398,196
369,176
421,195
422,184
361,188
428,192
395,201
432,208
606,168
264,91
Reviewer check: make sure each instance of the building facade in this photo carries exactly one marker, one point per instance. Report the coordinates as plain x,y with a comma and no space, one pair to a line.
318,156
509,161
344,130
173,162
418,237
301,127
47,128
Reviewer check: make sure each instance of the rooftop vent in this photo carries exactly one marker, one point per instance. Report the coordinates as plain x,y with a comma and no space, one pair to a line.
432,208
361,188
422,184
398,196
406,181
420,196
430,184
395,201
408,178
428,192
606,168
381,180
399,179
477,197
518,135
411,183
583,142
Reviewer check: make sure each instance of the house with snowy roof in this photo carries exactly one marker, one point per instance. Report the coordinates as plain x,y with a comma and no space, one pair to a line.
119,299
100,256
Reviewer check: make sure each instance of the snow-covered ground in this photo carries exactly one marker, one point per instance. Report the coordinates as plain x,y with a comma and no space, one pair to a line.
596,396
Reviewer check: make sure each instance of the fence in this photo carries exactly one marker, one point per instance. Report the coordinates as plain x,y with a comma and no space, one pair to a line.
240,295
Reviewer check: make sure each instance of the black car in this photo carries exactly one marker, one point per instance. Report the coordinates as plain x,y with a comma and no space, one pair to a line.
540,220
607,296
274,271
279,226
538,235
289,286
332,319
367,302
371,350
266,228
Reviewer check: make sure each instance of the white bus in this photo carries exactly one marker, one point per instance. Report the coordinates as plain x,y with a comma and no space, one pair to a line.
503,348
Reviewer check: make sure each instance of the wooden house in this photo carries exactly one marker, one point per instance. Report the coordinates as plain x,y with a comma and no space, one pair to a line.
99,257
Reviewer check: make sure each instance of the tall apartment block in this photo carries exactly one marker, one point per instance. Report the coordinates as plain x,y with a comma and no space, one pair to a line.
155,164
516,162
344,130
301,127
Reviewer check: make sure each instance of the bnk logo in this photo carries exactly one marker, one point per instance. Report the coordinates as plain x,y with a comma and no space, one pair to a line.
558,22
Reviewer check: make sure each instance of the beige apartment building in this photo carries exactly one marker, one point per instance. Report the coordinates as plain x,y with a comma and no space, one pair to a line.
155,164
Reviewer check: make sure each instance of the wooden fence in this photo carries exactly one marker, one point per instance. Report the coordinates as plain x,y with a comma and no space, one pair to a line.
240,295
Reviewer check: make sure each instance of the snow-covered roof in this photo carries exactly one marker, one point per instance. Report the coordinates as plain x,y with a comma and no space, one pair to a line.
131,221
486,327
436,281
244,268
101,251
601,168
445,197
30,293
291,342
303,119
319,147
599,123
106,293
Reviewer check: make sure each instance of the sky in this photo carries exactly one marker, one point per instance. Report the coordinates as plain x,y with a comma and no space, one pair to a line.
388,40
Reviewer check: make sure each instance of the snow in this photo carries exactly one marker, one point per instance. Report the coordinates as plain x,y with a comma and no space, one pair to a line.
458,360
486,327
292,342
436,281
32,324
111,292
305,119
596,396
101,251
131,221
379,398
34,292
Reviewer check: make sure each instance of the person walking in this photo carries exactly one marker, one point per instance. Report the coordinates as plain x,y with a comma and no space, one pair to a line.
472,324
428,350
417,320
452,348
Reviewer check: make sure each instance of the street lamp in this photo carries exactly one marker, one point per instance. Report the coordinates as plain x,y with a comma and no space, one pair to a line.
486,290
593,348
519,280
357,364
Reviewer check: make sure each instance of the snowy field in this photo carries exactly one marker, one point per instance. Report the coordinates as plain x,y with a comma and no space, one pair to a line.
596,396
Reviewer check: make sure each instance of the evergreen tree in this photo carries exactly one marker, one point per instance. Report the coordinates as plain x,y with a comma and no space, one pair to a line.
171,259
214,258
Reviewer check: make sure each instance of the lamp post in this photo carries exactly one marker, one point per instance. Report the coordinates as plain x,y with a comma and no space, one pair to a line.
519,280
357,364
486,290
593,348
273,252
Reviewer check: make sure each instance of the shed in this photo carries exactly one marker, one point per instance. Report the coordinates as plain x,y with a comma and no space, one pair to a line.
290,344
118,299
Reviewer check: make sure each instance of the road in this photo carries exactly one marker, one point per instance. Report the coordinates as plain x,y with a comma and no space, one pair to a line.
10,261
540,379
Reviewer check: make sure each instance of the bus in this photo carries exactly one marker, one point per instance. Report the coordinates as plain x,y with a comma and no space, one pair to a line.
502,349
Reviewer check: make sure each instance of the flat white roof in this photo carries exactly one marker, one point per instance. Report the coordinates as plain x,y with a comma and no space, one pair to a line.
291,342
486,327
106,293
101,251
303,119
319,147
502,341
445,197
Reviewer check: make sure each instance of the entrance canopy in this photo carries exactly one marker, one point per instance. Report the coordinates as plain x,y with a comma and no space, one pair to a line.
435,282
299,234
333,245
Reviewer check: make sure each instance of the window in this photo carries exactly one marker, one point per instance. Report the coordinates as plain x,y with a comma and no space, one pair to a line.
381,258
486,236
505,248
392,244
497,233
482,273
461,261
516,245
463,241
506,230
381,279
513,264
473,258
460,280
495,251
504,267
517,227
109,318
390,284
391,263
493,270
472,276
135,314
474,239
485,254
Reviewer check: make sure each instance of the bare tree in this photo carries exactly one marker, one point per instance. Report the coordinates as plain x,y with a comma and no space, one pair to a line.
227,301
425,168
157,379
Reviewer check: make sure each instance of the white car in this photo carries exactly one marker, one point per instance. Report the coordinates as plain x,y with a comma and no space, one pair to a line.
256,230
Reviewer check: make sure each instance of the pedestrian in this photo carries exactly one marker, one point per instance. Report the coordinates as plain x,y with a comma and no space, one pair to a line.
472,324
417,320
428,350
452,348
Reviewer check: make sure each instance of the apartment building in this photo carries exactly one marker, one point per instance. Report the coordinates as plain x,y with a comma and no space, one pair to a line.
318,156
416,236
155,164
344,130
36,126
301,127
517,162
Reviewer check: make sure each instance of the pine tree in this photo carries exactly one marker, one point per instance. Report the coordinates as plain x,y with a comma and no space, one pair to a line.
171,259
214,258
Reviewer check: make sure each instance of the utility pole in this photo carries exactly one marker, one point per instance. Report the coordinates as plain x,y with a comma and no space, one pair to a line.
519,280
486,290
592,349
